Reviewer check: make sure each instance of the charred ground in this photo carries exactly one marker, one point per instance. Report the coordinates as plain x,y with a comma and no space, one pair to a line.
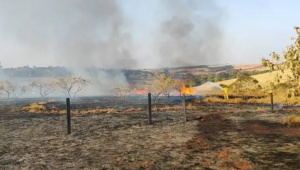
216,136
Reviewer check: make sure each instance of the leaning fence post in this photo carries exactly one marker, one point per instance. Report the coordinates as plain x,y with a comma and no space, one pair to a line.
272,102
184,108
149,109
68,116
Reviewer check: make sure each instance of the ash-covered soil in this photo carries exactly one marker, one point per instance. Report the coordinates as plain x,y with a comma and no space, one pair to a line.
216,136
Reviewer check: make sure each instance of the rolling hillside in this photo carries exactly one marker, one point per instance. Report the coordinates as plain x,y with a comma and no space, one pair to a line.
262,78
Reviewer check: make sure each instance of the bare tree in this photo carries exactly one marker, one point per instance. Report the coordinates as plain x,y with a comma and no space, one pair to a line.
7,87
12,90
122,90
20,90
44,88
178,86
71,85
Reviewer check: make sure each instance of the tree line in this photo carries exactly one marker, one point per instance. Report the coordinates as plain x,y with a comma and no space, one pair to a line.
70,86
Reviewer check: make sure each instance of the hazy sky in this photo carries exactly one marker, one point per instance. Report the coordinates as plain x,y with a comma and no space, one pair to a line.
143,33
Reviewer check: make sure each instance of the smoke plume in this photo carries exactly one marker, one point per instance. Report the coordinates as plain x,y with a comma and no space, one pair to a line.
80,33
74,32
191,34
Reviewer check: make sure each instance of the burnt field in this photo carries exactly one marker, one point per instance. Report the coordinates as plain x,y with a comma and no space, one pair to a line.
216,136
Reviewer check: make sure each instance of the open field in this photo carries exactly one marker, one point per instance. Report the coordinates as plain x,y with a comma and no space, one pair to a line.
216,136
208,69
250,67
262,78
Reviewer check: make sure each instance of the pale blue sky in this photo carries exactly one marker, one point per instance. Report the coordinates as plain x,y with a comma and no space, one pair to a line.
251,30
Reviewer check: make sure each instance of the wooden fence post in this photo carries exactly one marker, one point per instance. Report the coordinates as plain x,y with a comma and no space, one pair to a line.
68,116
184,108
149,109
272,102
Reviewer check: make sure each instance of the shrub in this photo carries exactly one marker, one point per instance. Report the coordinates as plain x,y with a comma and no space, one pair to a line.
245,85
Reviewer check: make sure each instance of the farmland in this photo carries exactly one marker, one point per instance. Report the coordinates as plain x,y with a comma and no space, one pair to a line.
262,78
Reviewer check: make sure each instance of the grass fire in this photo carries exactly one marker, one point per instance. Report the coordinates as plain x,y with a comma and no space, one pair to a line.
122,84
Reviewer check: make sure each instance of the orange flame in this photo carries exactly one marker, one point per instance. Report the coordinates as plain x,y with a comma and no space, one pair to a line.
140,92
188,90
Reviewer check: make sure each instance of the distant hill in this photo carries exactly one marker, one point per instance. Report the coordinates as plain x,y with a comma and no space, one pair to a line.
262,78
250,67
199,73
210,69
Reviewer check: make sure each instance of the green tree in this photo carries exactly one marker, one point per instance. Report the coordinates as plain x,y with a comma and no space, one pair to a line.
290,61
244,85
162,84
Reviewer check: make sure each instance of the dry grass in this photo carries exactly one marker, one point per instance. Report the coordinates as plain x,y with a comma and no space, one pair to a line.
279,98
293,120
41,107
132,110
174,108
260,109
220,100
88,111
250,67
35,107
259,97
